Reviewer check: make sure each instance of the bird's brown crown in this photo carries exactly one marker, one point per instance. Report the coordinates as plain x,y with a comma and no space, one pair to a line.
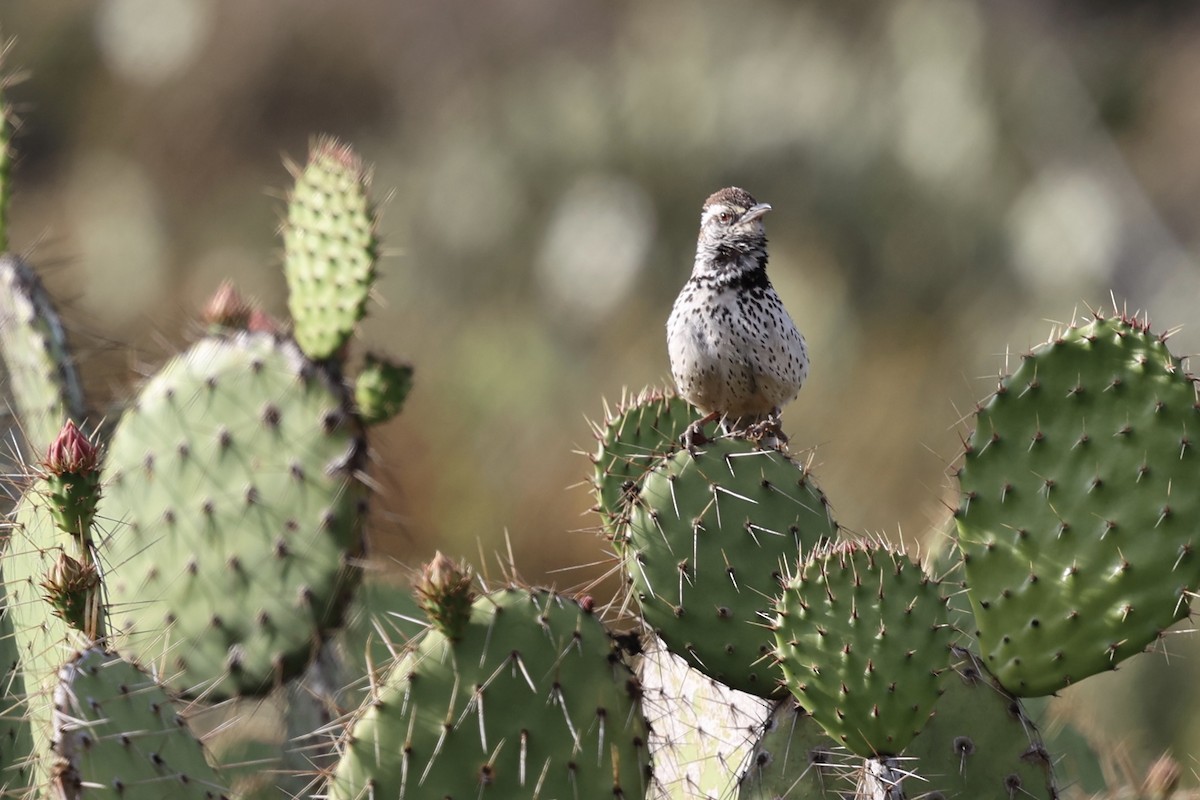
731,197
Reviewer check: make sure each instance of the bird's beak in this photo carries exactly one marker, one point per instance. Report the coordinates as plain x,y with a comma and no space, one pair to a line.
754,212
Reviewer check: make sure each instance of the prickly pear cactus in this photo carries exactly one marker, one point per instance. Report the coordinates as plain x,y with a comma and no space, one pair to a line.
329,248
979,744
863,638
381,388
709,537
643,428
16,737
42,379
44,639
1077,527
530,700
793,758
118,735
235,516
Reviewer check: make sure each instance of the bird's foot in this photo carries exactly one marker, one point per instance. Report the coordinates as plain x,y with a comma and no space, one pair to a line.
767,432
694,435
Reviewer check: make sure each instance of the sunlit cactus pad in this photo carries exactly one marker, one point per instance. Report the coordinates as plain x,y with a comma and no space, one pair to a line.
530,701
709,537
42,381
862,637
234,514
640,430
16,741
1080,520
118,735
329,248
43,640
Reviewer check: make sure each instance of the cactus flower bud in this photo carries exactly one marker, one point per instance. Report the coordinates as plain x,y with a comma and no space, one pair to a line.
444,592
71,452
72,481
71,588
226,308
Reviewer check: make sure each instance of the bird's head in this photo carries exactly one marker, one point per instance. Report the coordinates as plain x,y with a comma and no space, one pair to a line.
732,237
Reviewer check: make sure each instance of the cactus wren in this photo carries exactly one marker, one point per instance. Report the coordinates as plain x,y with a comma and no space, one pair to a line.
735,353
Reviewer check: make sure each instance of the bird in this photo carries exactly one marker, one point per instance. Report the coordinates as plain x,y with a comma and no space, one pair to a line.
736,355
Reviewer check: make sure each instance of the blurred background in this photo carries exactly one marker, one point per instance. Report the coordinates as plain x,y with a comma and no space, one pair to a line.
949,178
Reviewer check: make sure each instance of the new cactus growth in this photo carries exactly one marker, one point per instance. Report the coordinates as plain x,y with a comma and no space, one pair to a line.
329,248
72,481
236,515
530,700
709,537
381,388
862,637
1077,529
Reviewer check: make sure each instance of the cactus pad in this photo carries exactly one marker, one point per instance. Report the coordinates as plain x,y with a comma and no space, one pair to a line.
709,538
118,735
862,638
643,428
329,248
43,638
701,731
16,740
235,515
530,701
1077,525
42,379
979,744
794,758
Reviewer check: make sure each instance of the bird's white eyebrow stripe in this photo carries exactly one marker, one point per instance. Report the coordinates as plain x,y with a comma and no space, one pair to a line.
716,209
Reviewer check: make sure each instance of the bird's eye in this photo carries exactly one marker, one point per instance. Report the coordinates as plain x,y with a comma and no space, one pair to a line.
726,217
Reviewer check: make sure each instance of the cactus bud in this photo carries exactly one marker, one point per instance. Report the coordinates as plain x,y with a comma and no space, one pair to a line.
72,589
226,308
71,452
72,479
444,593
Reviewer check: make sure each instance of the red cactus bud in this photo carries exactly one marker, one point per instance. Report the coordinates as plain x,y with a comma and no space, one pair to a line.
71,453
226,307
262,322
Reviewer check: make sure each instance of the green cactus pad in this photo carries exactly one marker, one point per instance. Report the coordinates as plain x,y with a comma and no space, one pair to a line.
709,537
794,759
44,386
118,735
16,736
43,639
979,744
862,637
381,388
1078,526
531,701
643,428
235,516
329,248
